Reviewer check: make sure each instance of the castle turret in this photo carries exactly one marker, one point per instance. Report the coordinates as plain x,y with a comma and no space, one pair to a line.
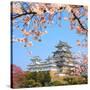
63,58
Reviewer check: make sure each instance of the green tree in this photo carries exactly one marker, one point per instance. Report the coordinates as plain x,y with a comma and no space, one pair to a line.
76,80
36,79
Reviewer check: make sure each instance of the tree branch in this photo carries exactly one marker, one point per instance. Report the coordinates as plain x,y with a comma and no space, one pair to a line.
12,18
79,21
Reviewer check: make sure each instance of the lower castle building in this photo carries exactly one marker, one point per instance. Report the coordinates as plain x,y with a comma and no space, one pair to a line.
51,66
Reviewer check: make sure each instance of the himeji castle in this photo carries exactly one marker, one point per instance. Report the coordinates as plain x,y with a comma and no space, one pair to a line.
60,62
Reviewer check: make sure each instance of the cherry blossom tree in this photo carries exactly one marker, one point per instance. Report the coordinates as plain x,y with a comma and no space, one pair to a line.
81,65
32,19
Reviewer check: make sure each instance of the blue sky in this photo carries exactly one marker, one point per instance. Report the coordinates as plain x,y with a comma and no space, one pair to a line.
47,46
